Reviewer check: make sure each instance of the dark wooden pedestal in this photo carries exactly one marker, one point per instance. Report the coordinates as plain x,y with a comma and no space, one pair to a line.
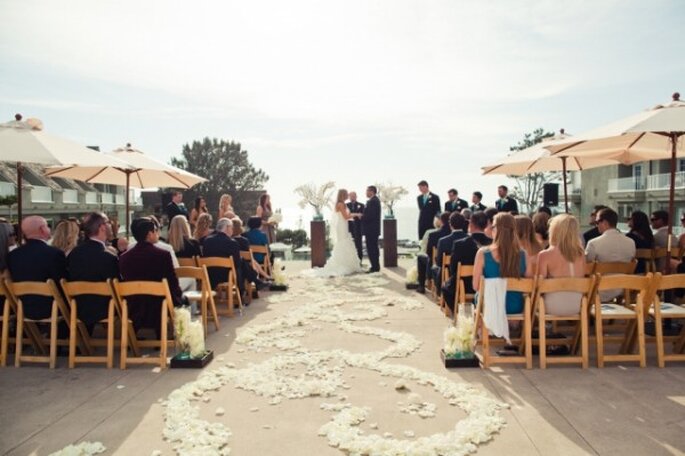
389,243
318,243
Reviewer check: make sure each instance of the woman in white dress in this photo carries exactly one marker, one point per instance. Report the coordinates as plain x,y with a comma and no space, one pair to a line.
344,260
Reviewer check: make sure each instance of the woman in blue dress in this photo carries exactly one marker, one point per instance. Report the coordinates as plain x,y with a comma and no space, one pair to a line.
503,258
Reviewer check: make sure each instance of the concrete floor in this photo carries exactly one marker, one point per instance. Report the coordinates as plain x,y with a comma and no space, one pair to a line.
621,410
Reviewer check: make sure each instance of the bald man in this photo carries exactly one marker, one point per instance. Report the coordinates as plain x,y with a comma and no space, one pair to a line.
36,261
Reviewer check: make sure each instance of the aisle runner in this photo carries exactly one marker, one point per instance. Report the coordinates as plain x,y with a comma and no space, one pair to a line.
273,378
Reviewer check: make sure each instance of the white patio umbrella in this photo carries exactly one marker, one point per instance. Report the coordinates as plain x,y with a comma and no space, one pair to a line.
654,134
26,142
140,171
538,159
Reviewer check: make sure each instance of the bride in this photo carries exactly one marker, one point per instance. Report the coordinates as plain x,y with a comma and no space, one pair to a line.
344,259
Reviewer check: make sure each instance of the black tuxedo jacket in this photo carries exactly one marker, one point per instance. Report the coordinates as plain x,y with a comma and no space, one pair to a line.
477,207
220,245
445,245
458,205
355,223
509,205
371,218
173,209
433,239
191,248
427,211
90,262
36,261
464,252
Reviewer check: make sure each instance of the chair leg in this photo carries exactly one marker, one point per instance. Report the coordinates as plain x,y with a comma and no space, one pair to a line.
641,338
528,340
584,338
542,333
53,336
486,346
110,336
19,338
660,353
124,336
600,339
72,337
4,338
163,348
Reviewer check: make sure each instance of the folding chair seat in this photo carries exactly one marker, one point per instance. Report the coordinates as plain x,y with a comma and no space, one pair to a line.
230,287
192,261
266,262
102,289
124,291
249,289
204,296
585,287
661,311
527,288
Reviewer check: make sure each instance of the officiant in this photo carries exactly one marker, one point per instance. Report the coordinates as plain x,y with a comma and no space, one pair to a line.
355,223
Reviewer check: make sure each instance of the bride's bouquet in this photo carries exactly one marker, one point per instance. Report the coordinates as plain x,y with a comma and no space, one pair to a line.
317,197
276,217
390,194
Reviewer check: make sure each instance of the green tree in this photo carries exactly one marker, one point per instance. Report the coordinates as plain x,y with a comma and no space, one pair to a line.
528,189
296,238
9,201
228,170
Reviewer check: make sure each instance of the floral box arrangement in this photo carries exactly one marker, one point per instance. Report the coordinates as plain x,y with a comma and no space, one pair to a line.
412,279
280,282
458,340
190,340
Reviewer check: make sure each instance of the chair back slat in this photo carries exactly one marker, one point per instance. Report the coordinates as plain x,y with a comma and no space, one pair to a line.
575,284
78,288
190,272
616,267
192,261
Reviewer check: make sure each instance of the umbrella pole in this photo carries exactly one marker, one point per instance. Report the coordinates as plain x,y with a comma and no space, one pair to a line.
671,193
563,166
20,176
128,204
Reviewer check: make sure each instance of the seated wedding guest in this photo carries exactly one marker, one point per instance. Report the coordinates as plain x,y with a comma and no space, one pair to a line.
545,210
265,212
424,264
203,228
503,258
659,221
7,240
527,240
66,236
490,212
90,261
256,236
476,199
36,261
681,238
564,257
464,252
466,213
541,226
505,203
642,236
594,231
221,244
179,238
454,203
146,262
226,207
176,206
199,208
115,244
245,247
458,227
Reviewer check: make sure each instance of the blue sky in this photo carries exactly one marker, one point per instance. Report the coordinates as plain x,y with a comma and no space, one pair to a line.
351,91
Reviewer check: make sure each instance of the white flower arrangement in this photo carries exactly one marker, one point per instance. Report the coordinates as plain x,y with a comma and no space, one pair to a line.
189,335
81,449
276,217
277,273
390,194
458,340
317,197
412,275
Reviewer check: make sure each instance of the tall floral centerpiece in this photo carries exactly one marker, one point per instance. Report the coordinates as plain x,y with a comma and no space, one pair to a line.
316,197
190,341
459,339
390,194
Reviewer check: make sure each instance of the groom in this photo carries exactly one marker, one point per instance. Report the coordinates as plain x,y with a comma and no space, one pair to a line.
371,227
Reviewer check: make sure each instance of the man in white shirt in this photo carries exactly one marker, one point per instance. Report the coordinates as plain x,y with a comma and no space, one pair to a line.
610,246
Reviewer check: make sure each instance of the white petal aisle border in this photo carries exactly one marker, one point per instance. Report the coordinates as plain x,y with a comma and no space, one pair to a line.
274,378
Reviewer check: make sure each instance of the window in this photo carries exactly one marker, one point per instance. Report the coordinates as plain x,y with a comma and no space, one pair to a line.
63,183
681,165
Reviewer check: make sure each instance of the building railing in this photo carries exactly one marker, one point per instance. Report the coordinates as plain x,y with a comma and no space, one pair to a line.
41,194
7,189
91,197
663,181
107,198
119,199
70,196
627,184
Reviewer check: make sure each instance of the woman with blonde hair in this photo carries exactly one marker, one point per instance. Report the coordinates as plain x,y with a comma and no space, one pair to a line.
226,207
66,236
503,258
203,227
180,240
525,232
564,257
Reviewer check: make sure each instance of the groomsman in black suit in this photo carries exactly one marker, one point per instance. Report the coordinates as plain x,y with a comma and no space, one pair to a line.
476,199
429,207
355,224
371,227
176,206
454,203
505,203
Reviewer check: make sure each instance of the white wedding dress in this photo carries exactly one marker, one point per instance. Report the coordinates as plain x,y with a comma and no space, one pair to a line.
343,260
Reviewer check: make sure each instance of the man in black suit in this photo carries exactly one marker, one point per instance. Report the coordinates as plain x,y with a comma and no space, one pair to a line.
176,206
464,252
424,263
355,224
148,263
506,203
458,226
476,199
454,203
36,261
371,227
429,207
222,244
91,262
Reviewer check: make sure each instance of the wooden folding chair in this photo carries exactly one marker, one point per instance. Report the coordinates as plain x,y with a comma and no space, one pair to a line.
430,285
460,296
5,319
230,286
204,296
527,287
641,287
104,289
615,267
646,255
444,275
125,290
266,262
661,256
590,268
47,289
585,287
249,289
661,311
192,261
